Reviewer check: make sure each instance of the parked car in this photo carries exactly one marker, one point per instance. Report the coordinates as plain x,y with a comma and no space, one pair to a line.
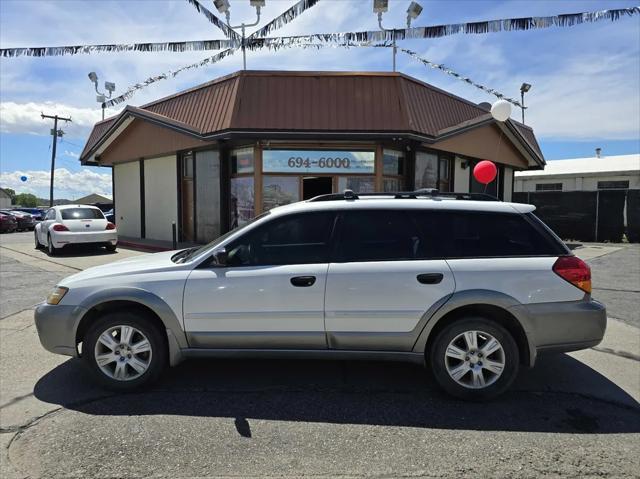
8,223
37,213
74,224
24,220
474,289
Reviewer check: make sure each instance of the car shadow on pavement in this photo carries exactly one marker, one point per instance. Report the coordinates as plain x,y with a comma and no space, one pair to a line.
369,393
78,251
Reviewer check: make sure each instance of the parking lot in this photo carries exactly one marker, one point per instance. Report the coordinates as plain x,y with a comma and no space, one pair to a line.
574,415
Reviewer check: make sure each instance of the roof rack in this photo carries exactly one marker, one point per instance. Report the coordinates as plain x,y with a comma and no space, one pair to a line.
349,195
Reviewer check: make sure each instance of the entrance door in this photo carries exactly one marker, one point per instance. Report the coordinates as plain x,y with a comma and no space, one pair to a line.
316,186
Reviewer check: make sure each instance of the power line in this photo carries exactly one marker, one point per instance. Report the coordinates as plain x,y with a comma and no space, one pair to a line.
55,132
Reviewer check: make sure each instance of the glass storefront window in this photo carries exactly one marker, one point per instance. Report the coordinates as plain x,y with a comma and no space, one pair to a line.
444,183
391,184
393,162
242,201
279,190
357,184
322,161
242,160
426,170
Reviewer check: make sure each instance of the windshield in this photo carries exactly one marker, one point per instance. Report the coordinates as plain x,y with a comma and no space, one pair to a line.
81,214
185,255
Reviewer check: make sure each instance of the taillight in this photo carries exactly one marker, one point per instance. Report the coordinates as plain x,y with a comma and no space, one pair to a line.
575,271
59,227
111,226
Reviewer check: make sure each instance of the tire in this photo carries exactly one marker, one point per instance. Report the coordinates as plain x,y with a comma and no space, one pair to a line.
496,370
110,247
131,378
37,241
51,250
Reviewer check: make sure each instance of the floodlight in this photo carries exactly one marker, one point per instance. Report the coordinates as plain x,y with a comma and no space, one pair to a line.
380,6
413,12
525,87
93,77
257,3
221,5
110,86
100,98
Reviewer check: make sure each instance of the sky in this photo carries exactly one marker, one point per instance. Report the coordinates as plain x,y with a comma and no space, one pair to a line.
585,94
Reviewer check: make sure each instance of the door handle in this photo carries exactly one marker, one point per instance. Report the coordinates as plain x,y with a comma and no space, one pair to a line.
303,281
430,278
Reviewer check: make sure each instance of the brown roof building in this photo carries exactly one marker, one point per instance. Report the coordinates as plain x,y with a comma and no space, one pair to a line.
211,157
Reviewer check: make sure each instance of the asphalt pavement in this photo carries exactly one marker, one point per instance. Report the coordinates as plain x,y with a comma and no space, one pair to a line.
574,415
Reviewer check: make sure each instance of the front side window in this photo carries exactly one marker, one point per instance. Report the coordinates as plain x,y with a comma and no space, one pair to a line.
295,239
81,214
378,235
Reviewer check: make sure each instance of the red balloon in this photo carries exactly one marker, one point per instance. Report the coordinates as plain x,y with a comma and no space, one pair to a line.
485,172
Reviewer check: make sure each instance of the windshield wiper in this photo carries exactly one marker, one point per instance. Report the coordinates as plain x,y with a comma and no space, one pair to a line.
187,254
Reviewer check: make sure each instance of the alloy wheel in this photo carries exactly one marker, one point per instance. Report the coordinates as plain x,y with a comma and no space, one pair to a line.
475,359
123,353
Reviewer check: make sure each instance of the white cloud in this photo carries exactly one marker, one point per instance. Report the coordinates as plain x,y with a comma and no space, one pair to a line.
71,154
67,184
25,118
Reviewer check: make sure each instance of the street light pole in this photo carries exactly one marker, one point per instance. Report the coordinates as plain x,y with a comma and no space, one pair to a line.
382,6
223,7
524,88
100,97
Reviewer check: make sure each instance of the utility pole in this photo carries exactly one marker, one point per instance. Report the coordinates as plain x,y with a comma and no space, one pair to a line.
55,134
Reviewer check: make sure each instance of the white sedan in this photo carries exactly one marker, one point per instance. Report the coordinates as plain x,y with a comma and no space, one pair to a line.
75,224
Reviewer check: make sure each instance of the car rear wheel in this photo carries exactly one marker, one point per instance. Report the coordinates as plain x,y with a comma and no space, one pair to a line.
124,351
51,249
474,359
110,247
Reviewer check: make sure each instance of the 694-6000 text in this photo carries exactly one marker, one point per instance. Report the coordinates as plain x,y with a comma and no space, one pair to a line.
299,162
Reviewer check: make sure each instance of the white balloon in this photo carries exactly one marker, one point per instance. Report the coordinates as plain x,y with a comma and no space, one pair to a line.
501,110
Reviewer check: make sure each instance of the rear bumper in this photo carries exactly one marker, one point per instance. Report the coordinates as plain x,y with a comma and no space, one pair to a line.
56,326
566,326
63,238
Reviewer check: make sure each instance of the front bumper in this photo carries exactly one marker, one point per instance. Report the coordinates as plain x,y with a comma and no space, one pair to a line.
567,326
56,325
63,238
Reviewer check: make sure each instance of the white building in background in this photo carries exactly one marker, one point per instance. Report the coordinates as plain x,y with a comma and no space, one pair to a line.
582,174
5,199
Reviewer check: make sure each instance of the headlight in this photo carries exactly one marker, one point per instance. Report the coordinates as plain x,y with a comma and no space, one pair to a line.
56,295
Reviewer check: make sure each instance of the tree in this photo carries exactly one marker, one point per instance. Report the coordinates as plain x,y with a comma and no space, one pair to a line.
26,199
12,195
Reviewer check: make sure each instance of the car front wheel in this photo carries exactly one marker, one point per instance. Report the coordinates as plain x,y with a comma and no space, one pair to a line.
124,351
474,359
37,241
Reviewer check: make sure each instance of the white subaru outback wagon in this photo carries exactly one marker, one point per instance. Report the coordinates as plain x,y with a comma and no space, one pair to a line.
474,289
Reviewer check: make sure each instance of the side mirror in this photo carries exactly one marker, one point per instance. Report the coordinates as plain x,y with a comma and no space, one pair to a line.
220,257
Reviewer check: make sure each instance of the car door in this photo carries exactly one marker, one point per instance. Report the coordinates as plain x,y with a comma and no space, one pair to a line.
49,219
270,293
382,282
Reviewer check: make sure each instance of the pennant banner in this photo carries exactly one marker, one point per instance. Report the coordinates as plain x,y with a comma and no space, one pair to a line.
130,47
229,33
436,31
164,76
452,73
288,16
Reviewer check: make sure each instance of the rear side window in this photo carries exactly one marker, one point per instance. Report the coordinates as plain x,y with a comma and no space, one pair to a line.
382,235
470,234
296,239
81,214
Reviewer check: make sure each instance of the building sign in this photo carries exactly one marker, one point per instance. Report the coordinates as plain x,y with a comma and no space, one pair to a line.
308,161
